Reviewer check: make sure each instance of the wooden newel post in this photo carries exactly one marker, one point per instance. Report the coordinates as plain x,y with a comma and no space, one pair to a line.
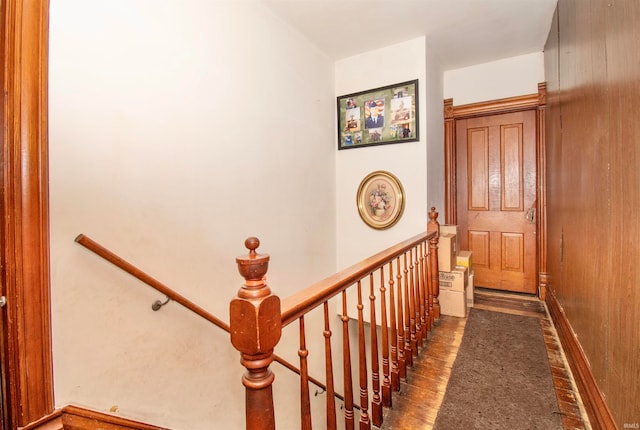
433,225
256,326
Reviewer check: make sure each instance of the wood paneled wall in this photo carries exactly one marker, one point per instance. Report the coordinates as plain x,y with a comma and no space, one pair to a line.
592,68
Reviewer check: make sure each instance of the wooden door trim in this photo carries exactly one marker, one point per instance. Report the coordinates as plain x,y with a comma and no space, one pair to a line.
452,113
498,106
26,355
541,183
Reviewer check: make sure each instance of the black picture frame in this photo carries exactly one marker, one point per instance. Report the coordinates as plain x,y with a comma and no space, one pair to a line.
380,116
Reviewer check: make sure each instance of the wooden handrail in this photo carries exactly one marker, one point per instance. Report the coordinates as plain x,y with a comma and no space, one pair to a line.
296,305
159,286
103,252
411,289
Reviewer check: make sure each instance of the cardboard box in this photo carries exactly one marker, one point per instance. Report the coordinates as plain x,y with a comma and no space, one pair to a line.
470,291
453,303
464,258
454,280
465,271
446,252
451,229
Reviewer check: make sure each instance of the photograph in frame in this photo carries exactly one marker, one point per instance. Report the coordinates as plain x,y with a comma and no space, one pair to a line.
379,116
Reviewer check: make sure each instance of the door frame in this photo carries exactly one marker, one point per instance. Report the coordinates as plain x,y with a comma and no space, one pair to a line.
453,113
27,370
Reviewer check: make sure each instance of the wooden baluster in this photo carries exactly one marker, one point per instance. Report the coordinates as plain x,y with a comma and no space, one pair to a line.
433,225
427,281
418,295
348,378
430,287
408,356
365,423
384,328
395,364
255,328
415,322
305,400
376,401
424,293
402,359
331,399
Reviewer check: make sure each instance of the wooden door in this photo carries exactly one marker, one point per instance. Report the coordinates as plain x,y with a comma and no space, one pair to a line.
496,198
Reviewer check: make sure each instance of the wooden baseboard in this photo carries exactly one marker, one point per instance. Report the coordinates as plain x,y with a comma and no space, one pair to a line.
77,418
592,398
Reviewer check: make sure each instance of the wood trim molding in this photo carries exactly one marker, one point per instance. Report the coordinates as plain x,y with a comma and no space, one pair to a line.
453,113
592,398
49,422
509,104
541,183
24,232
450,207
77,418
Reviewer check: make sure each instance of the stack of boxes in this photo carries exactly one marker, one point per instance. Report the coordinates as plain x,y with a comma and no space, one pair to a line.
464,260
456,274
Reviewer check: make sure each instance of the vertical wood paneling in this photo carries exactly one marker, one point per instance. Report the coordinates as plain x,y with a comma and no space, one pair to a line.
581,181
623,335
478,168
593,190
512,197
553,154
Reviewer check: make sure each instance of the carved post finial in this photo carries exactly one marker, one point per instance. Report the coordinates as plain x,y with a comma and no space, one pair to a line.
252,243
253,267
433,224
256,327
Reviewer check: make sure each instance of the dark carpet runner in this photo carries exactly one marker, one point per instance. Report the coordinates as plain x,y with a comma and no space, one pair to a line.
501,377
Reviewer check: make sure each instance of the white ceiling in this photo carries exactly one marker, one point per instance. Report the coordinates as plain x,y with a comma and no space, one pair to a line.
461,32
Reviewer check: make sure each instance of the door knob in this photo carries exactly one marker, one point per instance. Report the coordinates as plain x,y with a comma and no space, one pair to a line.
530,215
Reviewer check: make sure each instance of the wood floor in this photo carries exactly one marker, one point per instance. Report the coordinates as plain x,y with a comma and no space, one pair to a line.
427,379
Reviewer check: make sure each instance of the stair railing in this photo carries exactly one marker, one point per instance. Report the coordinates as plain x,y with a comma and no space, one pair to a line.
403,278
171,294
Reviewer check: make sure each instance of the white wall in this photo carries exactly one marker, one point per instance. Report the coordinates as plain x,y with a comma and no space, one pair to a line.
407,161
435,132
178,129
509,77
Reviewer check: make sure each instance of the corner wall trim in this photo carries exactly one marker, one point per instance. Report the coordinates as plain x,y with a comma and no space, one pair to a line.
592,398
74,418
